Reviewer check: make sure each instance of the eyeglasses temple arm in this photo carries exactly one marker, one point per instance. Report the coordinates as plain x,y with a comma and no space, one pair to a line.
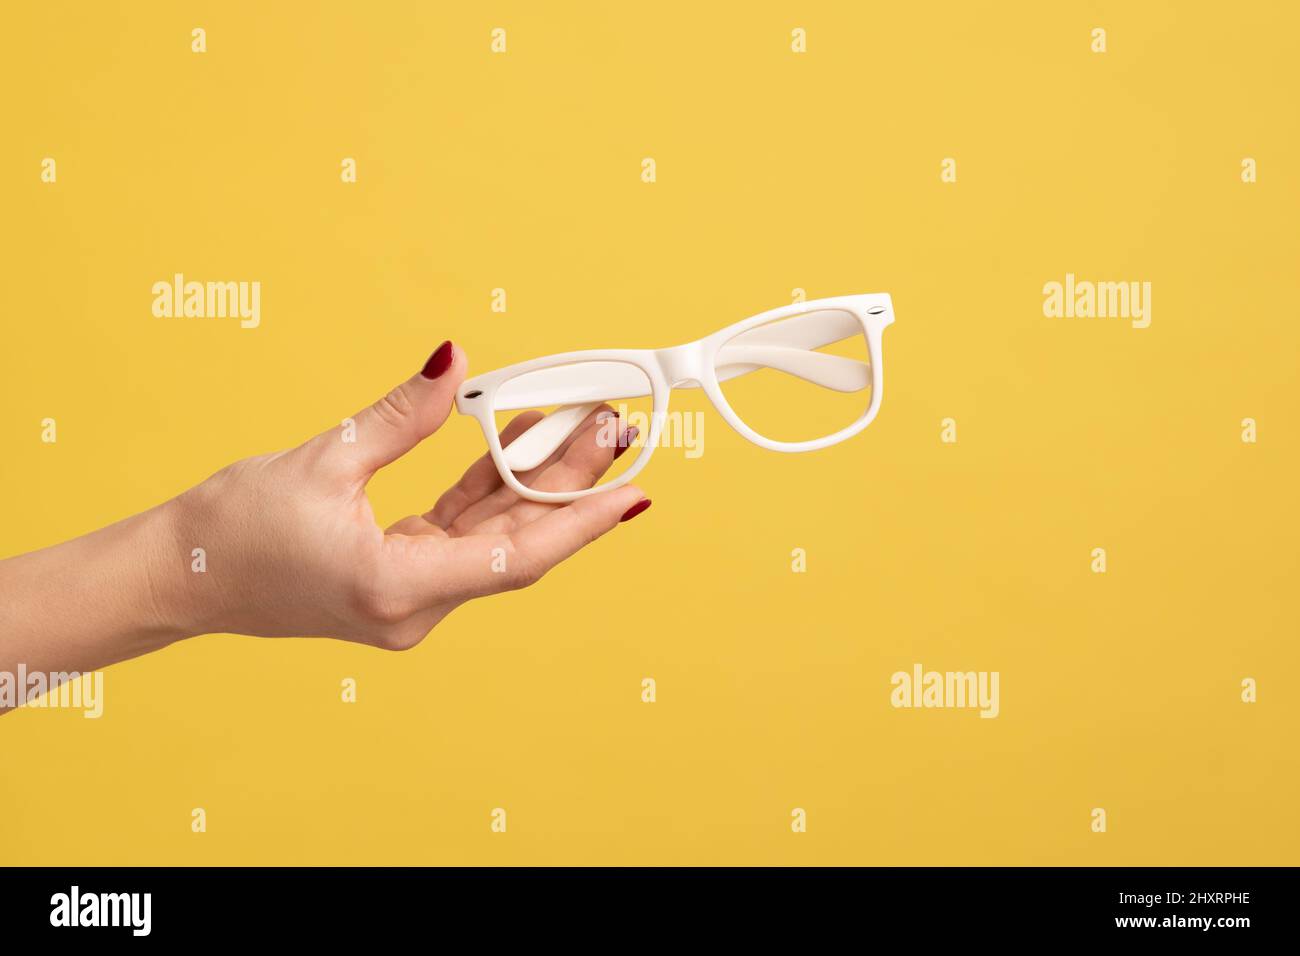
535,445
829,371
785,346
575,385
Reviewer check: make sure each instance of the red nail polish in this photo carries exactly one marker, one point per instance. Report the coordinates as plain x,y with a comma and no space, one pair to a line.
629,436
635,510
439,361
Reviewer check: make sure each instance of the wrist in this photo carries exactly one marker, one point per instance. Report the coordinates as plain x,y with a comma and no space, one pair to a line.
108,596
175,567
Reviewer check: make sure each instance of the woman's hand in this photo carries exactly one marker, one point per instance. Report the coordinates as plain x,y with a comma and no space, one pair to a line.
290,545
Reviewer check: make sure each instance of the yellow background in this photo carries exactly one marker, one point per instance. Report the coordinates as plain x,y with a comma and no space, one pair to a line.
775,171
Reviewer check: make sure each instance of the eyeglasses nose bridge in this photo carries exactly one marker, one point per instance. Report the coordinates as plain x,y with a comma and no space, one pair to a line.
680,364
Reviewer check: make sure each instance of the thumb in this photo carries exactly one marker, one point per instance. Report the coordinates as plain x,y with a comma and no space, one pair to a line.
410,413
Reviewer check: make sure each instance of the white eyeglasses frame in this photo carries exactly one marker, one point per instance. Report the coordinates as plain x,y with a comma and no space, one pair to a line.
692,365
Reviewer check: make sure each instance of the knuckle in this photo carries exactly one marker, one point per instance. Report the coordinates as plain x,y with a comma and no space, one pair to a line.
395,408
523,572
396,639
375,605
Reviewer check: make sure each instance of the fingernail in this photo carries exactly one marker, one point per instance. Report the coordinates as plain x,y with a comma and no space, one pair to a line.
629,436
439,361
635,510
